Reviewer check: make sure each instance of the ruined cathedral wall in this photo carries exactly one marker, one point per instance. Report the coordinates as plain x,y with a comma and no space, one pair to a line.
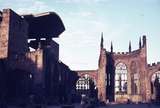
135,63
144,84
151,69
4,31
93,74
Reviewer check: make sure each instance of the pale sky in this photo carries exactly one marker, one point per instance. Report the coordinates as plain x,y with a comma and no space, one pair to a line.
84,20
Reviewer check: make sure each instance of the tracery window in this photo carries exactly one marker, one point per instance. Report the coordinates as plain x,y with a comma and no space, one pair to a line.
155,84
121,79
156,74
83,83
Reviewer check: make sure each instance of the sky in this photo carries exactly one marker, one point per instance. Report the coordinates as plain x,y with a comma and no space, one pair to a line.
120,21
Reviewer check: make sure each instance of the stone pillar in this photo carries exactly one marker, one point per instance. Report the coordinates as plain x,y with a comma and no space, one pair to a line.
148,89
4,33
101,83
143,71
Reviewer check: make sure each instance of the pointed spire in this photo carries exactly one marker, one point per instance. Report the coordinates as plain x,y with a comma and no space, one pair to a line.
130,48
101,40
111,47
144,40
140,44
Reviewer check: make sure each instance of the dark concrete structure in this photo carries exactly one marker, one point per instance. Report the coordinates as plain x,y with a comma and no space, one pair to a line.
38,73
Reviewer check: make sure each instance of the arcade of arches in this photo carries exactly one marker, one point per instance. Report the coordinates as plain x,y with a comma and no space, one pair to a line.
86,85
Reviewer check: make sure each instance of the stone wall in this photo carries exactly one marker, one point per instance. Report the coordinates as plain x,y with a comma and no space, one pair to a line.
137,57
93,74
136,64
4,33
13,35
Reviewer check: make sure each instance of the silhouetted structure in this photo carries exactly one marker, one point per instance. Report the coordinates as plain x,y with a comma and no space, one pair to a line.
38,73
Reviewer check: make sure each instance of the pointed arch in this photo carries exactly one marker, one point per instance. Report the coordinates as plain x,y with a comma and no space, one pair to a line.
83,83
121,78
155,85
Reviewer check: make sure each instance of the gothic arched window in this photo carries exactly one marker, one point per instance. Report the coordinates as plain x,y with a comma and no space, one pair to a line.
156,74
83,83
121,79
155,84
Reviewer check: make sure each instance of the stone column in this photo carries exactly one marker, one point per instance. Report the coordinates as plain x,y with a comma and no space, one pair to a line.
101,83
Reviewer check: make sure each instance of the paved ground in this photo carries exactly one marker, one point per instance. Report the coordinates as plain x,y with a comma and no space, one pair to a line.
112,106
123,106
132,106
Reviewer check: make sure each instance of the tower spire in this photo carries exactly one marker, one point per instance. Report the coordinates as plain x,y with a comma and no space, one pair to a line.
130,48
111,47
140,44
101,40
144,40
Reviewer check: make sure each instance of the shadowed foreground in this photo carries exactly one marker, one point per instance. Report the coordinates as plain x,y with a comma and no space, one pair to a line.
107,106
121,106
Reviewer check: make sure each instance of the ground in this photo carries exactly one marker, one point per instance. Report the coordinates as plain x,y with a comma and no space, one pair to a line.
113,106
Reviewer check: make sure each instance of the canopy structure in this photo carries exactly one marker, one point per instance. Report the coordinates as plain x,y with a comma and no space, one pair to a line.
44,25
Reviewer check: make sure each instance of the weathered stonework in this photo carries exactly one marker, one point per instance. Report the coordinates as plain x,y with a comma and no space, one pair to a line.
137,68
101,82
136,63
4,32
